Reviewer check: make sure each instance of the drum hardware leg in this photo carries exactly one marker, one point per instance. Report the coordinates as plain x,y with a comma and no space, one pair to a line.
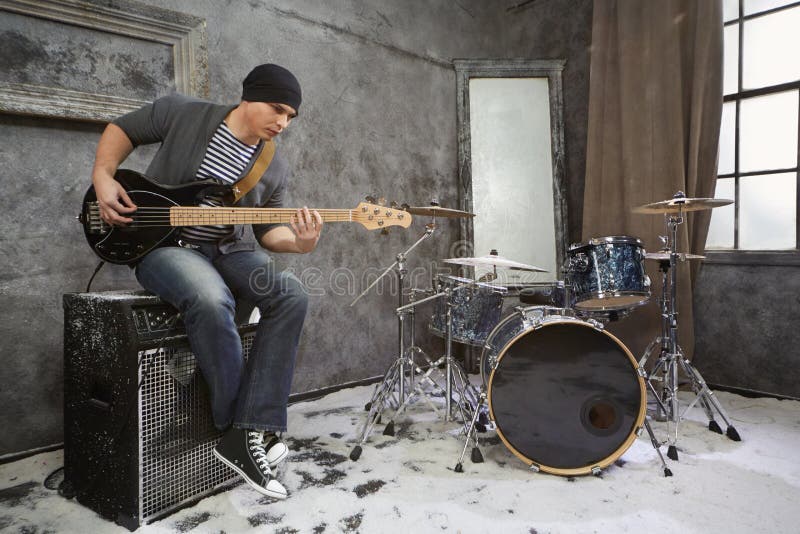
382,394
471,435
672,452
648,351
660,406
708,398
657,447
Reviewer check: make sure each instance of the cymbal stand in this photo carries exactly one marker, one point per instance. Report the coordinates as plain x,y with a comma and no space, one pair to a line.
454,376
394,381
671,356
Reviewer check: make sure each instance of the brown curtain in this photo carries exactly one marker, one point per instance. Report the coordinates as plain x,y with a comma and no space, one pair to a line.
655,103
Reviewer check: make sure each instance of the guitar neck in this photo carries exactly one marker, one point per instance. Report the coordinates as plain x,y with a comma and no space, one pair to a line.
197,216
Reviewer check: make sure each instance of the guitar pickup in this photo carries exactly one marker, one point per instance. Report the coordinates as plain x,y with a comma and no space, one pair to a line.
92,221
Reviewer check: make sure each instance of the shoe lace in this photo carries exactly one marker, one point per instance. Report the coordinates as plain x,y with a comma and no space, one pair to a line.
256,446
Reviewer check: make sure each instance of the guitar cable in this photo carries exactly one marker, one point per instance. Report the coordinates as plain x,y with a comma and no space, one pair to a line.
96,270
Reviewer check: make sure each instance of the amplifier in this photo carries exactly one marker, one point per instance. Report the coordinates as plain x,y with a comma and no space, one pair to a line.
134,454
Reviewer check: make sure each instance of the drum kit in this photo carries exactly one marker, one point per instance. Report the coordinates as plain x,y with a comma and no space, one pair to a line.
564,394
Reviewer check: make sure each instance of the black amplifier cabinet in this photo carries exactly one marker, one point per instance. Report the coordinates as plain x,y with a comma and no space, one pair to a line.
136,454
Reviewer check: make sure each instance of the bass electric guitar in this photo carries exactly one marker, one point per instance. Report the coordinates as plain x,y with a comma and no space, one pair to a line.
162,210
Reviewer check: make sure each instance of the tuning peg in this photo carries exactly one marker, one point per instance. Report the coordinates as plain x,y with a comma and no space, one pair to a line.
382,201
393,204
404,206
370,199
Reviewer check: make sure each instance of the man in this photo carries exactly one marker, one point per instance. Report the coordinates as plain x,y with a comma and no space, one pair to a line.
215,264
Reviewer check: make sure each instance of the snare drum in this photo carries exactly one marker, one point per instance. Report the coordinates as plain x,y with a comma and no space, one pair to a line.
476,310
565,395
607,273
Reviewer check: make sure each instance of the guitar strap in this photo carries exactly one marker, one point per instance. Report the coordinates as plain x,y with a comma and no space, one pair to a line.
247,183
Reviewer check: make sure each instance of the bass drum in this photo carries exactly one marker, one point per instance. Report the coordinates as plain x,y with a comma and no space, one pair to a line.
565,395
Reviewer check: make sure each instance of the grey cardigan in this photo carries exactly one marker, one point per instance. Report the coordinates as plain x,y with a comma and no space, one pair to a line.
184,126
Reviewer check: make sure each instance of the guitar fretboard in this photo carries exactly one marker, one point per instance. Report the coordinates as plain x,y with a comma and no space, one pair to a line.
197,216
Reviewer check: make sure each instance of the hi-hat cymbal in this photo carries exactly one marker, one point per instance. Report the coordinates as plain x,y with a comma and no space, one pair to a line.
675,205
664,255
495,261
438,211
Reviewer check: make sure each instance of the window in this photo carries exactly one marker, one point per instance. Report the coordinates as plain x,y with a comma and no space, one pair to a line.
759,146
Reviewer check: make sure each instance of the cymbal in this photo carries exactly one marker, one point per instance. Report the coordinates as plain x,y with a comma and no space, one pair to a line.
438,211
495,261
664,255
674,205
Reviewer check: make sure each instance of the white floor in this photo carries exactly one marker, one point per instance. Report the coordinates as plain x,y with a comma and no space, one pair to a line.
407,483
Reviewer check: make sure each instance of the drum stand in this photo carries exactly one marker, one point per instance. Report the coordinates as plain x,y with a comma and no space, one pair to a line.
671,357
391,391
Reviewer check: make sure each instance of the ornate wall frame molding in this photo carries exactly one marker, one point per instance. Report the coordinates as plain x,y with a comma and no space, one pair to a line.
184,33
513,68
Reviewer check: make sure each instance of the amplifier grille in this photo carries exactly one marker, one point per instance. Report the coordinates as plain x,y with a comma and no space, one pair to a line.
177,432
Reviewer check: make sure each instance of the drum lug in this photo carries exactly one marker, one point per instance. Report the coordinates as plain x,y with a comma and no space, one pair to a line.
639,431
534,468
596,471
597,325
642,372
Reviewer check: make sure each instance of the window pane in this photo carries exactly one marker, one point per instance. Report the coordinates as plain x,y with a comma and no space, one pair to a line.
727,139
757,6
768,132
770,49
720,233
731,61
767,212
730,10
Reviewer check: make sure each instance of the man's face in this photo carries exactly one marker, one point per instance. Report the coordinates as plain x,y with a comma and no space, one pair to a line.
267,120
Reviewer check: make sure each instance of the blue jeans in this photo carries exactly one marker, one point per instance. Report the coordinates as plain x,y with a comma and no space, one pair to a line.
204,286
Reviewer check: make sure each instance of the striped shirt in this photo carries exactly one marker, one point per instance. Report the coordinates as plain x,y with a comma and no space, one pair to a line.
225,160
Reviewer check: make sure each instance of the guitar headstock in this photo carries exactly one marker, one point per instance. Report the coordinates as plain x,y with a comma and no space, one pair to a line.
374,216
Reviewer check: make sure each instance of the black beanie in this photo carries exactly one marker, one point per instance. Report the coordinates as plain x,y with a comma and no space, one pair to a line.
272,83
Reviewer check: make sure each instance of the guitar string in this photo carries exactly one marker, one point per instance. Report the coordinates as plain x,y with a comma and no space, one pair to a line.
155,216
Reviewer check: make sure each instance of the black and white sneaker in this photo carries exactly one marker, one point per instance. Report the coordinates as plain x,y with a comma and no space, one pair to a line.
243,451
276,450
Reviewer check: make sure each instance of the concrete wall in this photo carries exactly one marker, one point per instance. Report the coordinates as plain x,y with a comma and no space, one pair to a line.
378,118
746,327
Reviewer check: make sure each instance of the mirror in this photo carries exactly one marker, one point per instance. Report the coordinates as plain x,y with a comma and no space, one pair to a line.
511,164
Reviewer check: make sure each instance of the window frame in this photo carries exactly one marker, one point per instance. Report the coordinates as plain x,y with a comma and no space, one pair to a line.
757,257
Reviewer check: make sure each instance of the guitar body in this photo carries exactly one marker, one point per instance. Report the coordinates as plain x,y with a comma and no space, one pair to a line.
125,245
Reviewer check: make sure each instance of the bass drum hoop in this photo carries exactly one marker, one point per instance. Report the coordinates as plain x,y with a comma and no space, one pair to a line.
587,469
